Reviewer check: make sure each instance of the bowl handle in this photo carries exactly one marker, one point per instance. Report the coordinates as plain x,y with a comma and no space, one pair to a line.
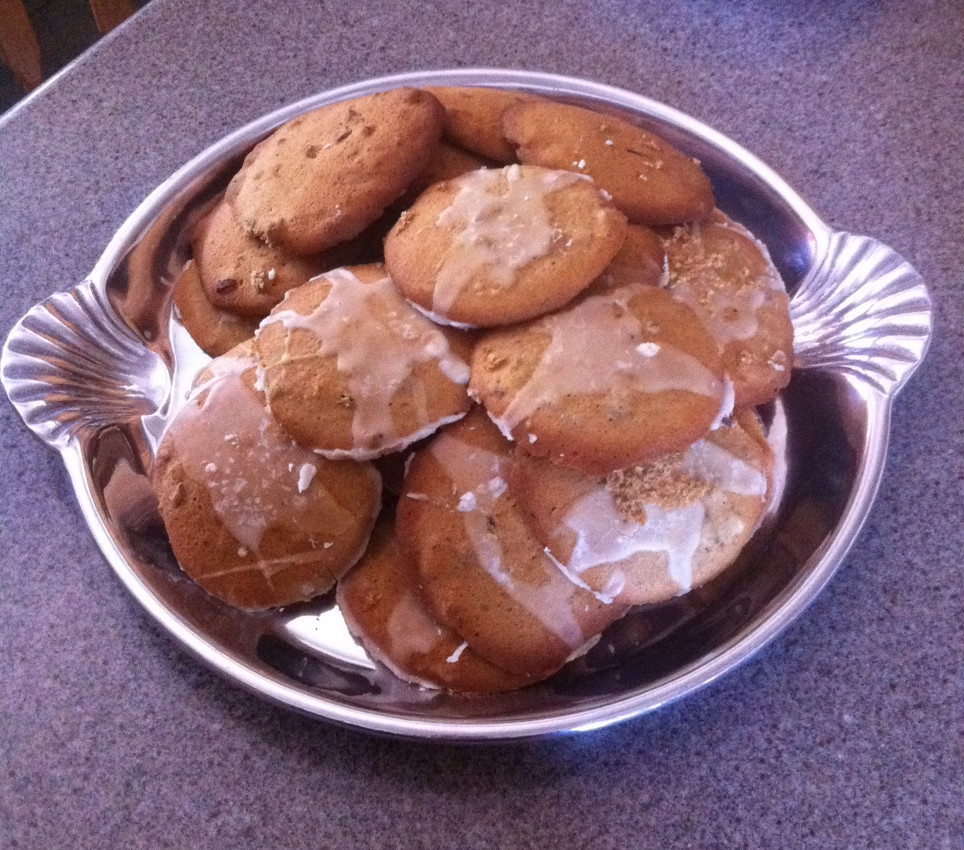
72,366
862,310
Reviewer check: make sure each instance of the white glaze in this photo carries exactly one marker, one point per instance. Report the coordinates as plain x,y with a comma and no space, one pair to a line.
502,224
594,349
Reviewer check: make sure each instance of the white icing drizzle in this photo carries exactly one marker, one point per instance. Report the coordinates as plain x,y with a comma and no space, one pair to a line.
604,537
728,315
502,225
442,320
709,462
305,476
574,577
409,630
482,472
594,348
726,305
457,653
256,476
378,340
361,454
726,406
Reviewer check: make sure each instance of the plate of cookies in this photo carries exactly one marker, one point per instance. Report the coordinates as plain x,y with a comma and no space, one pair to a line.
475,404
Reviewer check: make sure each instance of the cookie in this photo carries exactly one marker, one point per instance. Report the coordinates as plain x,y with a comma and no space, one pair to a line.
252,517
215,331
383,608
323,177
495,247
649,180
481,571
473,119
352,370
646,534
242,274
726,275
613,380
640,260
448,163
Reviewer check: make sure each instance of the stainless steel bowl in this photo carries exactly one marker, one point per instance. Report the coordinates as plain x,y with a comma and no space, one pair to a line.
96,371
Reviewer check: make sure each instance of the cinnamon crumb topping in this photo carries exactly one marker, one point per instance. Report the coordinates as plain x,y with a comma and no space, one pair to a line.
660,482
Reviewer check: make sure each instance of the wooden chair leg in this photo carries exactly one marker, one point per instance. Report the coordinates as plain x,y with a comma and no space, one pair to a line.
109,13
19,50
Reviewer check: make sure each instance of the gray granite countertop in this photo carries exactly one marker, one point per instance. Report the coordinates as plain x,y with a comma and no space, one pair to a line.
846,731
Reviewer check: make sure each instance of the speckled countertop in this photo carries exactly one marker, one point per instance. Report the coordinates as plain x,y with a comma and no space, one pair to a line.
846,731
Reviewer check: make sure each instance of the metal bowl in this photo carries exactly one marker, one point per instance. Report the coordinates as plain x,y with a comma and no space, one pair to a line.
96,371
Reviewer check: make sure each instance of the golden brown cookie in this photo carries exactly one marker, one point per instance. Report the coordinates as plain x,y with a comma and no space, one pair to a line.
383,607
352,370
252,517
481,571
242,274
473,118
613,380
323,177
498,246
448,163
648,533
650,181
640,260
719,269
215,331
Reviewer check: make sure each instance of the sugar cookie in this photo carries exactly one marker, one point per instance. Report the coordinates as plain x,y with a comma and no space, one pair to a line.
382,605
481,571
650,181
473,118
324,176
648,533
215,331
615,379
495,247
352,370
725,275
252,517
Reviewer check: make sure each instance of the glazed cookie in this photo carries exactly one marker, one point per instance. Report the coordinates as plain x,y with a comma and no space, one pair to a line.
324,176
615,379
352,370
650,181
381,603
242,274
481,571
495,247
473,119
725,274
649,533
252,517
215,331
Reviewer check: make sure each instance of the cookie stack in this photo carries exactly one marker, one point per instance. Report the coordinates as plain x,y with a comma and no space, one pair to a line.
485,361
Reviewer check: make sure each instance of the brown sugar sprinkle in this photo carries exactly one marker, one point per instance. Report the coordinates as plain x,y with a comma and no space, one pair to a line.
660,482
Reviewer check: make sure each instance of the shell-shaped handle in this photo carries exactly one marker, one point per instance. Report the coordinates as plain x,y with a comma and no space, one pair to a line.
862,310
71,364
